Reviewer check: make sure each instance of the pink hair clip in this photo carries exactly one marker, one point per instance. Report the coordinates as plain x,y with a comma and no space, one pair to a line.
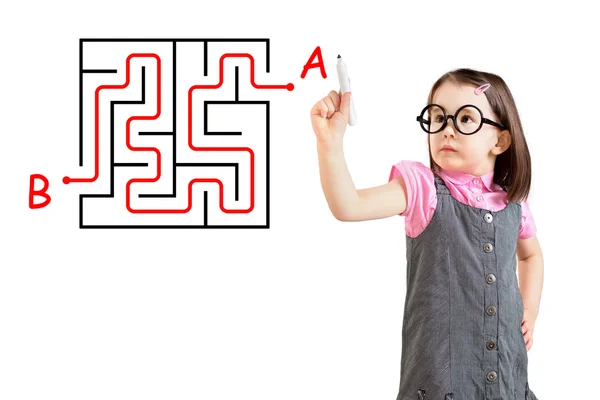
482,88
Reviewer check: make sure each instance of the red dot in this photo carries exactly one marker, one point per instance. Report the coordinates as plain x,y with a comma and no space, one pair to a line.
66,180
290,86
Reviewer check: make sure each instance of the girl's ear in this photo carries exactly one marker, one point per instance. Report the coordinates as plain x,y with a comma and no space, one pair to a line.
503,143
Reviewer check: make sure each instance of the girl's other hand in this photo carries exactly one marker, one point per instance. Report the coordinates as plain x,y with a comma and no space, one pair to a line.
527,326
329,117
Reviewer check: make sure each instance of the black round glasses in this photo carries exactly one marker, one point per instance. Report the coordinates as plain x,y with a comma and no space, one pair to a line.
468,119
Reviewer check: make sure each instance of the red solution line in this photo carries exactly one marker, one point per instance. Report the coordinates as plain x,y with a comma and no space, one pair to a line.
154,149
66,179
288,86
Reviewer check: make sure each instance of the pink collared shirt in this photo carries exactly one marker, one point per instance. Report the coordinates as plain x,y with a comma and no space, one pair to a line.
476,191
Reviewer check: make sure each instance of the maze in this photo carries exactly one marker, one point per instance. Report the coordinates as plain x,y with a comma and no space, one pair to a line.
174,133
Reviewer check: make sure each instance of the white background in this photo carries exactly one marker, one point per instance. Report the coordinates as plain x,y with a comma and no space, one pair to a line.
312,307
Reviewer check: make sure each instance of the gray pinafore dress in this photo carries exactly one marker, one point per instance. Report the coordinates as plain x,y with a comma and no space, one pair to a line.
461,334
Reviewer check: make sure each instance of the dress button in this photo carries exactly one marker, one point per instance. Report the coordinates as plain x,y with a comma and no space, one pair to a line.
491,310
488,217
476,181
490,278
491,345
479,198
488,247
491,376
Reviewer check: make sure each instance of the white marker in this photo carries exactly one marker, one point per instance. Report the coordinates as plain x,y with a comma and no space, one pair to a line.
345,87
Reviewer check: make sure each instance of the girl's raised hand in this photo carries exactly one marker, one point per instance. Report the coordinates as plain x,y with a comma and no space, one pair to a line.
329,117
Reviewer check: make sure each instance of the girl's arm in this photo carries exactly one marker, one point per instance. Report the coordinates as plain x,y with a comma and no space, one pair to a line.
348,204
329,117
531,277
531,273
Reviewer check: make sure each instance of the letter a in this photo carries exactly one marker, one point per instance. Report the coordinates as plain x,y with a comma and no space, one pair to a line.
308,65
41,192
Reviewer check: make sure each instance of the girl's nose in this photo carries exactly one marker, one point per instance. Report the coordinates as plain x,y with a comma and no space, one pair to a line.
449,129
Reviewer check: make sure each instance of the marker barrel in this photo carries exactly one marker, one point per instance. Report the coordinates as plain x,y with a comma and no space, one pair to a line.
345,87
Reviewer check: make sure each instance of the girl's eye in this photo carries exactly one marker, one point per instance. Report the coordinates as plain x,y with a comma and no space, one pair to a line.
464,118
439,119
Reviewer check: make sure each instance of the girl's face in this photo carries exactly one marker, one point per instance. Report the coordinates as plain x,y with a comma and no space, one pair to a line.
475,154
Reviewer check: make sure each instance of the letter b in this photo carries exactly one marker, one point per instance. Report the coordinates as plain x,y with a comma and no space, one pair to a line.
41,192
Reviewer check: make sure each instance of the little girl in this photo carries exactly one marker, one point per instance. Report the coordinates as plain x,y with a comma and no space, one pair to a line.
467,324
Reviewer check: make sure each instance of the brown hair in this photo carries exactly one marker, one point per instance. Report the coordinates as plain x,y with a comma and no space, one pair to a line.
512,170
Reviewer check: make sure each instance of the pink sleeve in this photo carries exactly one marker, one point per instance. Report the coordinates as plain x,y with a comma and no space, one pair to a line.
527,228
421,197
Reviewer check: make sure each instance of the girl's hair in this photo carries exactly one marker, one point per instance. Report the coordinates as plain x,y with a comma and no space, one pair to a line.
512,170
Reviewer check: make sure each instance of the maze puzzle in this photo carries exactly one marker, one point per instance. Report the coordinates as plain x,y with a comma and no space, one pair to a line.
168,135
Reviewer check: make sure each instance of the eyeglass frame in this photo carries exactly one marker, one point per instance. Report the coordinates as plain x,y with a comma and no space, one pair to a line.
446,117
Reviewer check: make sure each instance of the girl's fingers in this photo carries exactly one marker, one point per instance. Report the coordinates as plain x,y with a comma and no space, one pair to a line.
528,341
336,99
328,105
320,108
324,108
331,108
